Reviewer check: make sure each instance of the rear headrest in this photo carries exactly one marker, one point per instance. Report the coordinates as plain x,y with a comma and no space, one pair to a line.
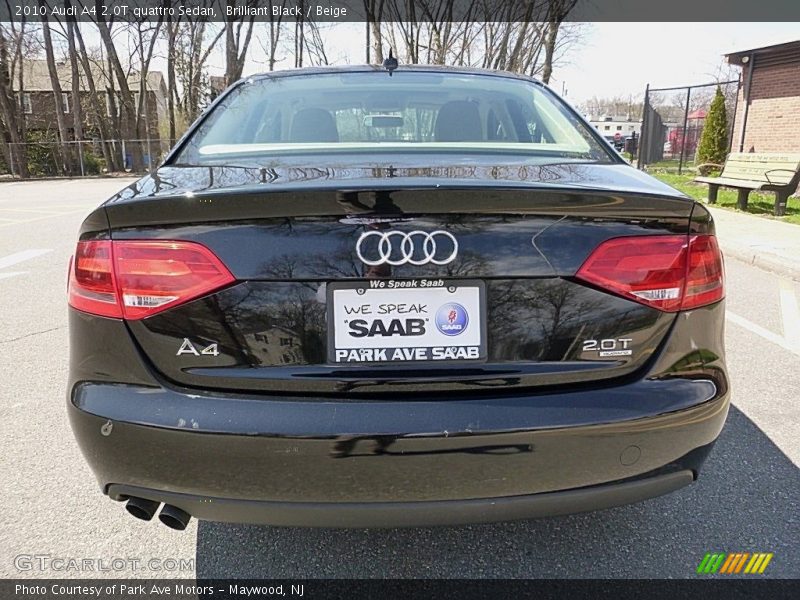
313,125
458,121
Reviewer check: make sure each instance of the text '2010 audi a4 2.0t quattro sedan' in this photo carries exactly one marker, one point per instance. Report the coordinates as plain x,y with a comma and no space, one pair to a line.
357,297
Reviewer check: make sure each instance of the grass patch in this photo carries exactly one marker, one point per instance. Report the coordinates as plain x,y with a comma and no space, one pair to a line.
759,203
670,165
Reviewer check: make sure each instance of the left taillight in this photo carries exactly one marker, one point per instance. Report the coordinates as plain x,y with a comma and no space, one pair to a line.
134,279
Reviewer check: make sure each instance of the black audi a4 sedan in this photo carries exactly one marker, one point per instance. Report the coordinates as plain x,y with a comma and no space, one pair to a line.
356,297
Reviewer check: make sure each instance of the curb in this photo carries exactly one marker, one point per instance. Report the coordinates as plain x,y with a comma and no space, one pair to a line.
758,258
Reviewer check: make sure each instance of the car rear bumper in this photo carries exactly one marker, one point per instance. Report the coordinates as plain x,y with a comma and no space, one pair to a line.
322,462
414,514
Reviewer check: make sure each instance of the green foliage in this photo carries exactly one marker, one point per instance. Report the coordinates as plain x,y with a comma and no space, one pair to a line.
714,142
760,203
93,164
41,152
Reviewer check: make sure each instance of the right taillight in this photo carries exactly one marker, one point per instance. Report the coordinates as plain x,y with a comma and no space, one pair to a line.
668,272
705,275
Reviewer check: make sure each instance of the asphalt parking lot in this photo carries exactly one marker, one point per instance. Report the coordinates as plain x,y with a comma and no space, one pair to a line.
746,499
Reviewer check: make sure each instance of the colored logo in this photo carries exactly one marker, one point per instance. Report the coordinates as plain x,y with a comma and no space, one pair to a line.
734,562
452,319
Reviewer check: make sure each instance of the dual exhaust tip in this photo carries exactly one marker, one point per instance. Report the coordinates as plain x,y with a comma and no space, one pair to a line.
171,516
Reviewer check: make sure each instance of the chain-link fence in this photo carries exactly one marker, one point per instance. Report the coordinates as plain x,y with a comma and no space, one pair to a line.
673,123
49,158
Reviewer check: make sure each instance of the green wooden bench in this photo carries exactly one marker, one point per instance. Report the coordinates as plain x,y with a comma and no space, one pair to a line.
779,173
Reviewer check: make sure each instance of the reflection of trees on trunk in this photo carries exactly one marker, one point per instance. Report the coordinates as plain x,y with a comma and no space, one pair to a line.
227,315
468,264
368,199
541,318
290,306
340,264
306,317
562,310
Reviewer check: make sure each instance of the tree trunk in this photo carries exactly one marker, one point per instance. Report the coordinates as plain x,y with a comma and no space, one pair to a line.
77,108
12,114
128,112
236,47
142,108
374,12
550,37
66,167
99,108
172,34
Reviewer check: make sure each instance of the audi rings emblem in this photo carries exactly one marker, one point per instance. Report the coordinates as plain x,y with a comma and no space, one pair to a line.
399,248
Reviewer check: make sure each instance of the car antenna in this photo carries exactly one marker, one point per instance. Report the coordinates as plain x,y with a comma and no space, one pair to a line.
390,64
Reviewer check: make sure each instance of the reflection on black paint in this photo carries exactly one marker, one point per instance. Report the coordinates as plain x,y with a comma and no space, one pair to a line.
273,335
286,230
380,445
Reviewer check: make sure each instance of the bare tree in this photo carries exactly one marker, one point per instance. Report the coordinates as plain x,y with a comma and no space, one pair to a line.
97,105
172,92
315,44
144,34
299,37
374,13
191,42
13,38
55,84
275,28
146,37
238,34
557,12
127,122
77,107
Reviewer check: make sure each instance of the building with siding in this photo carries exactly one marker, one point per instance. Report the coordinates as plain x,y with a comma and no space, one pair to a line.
39,103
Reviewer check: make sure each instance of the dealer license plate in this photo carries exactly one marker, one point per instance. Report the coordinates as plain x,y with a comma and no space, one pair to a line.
419,320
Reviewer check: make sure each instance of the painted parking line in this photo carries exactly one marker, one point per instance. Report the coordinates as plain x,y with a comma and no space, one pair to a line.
763,332
18,257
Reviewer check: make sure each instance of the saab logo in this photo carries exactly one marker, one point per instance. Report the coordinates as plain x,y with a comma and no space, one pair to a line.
452,319
734,562
403,327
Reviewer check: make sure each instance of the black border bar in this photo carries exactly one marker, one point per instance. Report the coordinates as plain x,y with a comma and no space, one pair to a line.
707,588
405,10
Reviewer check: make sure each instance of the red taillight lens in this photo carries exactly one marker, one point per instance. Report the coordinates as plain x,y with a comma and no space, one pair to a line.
137,279
92,287
705,275
668,272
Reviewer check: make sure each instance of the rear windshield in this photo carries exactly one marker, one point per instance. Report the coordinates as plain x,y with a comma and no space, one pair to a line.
372,113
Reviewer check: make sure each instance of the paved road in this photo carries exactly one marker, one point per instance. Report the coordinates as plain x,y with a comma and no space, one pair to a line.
746,500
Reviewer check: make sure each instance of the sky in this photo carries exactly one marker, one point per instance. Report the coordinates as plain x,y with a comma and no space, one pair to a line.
620,59
611,60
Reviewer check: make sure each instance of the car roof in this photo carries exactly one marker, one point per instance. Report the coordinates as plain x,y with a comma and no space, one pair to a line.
410,68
